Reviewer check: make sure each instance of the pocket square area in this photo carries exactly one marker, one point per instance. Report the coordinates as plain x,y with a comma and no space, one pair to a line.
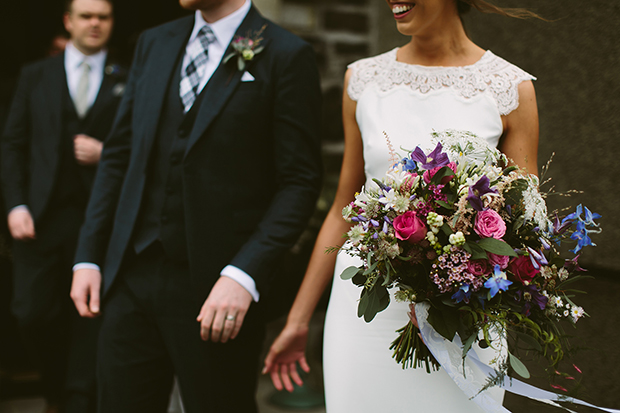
247,77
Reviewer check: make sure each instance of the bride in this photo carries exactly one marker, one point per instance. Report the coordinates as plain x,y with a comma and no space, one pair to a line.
439,80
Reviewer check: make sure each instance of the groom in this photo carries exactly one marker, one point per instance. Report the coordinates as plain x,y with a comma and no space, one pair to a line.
210,173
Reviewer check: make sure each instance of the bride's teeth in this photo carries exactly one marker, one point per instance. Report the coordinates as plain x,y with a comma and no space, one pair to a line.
401,9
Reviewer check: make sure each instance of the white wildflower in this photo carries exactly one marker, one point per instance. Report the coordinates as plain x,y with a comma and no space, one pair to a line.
356,234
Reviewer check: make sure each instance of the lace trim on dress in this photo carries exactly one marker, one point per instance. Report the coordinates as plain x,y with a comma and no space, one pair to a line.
491,74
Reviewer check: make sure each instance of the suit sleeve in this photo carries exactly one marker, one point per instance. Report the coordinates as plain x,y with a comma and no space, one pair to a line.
115,157
296,146
16,145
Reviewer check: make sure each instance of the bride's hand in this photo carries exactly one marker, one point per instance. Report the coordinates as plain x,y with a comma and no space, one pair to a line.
288,349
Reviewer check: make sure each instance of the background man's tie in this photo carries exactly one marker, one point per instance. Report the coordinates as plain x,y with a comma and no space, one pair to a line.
81,98
197,51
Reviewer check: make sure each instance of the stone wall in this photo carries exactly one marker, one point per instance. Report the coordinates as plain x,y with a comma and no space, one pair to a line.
575,58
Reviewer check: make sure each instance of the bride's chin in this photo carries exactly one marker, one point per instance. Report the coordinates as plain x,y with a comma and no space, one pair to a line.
404,28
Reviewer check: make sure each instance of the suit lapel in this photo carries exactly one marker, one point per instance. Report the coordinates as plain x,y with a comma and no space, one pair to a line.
159,73
104,95
222,83
55,79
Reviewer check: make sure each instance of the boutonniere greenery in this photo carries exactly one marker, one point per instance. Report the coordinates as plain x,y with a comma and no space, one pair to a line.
246,48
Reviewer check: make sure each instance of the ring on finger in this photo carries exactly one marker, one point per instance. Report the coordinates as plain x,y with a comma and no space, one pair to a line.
230,317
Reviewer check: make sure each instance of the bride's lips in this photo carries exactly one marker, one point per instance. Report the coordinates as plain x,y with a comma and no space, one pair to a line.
400,10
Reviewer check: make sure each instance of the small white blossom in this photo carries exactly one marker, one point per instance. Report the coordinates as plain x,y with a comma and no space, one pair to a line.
347,213
356,234
562,274
577,313
457,238
558,302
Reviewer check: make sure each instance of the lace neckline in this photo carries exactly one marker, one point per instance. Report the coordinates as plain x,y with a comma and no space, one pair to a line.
490,75
393,55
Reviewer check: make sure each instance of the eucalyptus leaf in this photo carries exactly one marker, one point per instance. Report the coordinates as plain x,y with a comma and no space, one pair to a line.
476,252
442,173
372,267
258,49
378,300
240,64
349,273
363,303
497,247
468,343
446,229
530,341
442,324
518,366
443,204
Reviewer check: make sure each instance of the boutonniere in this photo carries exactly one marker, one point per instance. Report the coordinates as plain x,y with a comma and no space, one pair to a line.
114,70
118,89
246,48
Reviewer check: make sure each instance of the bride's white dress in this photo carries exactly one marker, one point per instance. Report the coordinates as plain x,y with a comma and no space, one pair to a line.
407,102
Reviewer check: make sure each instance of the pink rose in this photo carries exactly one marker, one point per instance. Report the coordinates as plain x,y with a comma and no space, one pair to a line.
428,175
477,267
523,269
489,224
501,260
409,227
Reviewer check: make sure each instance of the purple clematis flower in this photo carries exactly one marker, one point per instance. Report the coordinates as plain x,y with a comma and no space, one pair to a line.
435,159
497,282
532,296
477,190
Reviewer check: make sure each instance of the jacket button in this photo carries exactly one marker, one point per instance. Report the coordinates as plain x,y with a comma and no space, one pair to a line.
183,132
174,159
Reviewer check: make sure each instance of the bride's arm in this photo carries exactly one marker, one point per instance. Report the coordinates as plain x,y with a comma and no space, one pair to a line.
520,139
289,346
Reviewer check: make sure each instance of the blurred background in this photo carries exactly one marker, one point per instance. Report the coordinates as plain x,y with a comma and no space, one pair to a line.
575,56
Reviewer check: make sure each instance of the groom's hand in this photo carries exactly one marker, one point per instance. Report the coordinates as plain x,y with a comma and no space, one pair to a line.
85,292
222,313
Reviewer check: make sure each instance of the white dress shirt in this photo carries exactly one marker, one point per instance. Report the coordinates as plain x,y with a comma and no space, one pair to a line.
73,67
224,30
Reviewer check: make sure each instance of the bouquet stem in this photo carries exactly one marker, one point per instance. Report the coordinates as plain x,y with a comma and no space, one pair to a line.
410,350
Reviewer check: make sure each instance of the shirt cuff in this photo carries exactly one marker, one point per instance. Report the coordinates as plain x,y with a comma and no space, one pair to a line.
86,266
23,207
242,278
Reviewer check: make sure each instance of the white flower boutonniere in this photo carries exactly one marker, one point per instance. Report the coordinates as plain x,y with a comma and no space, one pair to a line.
246,48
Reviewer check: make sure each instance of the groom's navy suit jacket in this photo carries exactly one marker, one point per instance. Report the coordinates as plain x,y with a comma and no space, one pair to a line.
251,169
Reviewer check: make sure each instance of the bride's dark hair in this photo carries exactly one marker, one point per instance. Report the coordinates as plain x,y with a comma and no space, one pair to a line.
465,5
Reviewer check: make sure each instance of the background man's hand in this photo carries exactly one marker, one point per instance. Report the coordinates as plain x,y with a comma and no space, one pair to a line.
21,224
85,292
87,149
222,313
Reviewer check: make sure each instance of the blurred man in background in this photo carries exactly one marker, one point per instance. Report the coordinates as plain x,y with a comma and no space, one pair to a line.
62,109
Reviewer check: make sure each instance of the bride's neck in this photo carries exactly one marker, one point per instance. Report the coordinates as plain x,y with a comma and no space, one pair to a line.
442,48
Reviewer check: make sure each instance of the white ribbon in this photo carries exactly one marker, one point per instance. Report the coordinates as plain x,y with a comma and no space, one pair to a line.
471,374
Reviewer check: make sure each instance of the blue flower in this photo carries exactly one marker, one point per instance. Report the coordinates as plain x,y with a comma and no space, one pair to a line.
433,160
589,216
408,164
581,236
463,294
477,190
497,282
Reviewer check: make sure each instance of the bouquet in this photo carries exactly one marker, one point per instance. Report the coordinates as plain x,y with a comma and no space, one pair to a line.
460,229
